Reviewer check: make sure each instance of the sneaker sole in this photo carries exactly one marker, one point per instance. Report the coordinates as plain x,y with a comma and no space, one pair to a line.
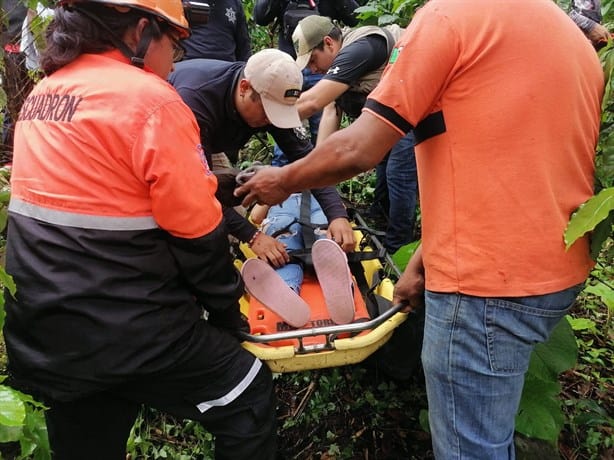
331,267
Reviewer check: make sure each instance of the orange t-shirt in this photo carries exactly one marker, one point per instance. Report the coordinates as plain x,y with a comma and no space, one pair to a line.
505,100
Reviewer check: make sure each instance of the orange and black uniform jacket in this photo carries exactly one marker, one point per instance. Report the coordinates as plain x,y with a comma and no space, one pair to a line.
116,241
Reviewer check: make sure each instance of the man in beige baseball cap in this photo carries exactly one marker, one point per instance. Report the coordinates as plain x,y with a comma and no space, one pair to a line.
233,101
277,79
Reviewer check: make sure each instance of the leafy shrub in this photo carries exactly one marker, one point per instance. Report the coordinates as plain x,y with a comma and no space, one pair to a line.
22,419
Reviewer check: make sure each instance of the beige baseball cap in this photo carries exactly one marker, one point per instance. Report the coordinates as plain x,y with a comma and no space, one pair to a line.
309,33
277,78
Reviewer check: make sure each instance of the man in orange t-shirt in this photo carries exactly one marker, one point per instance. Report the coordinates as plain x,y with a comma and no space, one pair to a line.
506,119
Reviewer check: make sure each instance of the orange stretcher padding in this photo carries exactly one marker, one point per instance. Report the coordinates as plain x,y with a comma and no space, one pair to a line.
264,321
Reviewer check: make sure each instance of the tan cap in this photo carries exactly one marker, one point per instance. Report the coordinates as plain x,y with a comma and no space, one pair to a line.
309,33
276,77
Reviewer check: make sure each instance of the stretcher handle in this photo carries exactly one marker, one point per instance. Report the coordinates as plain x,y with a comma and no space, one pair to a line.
315,331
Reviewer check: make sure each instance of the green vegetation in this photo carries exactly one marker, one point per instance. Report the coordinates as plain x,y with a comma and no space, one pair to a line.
22,419
357,411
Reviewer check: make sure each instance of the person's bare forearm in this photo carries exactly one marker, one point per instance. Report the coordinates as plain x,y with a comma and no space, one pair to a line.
329,123
307,108
315,99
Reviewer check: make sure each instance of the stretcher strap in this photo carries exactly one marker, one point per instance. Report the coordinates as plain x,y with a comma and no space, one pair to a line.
309,236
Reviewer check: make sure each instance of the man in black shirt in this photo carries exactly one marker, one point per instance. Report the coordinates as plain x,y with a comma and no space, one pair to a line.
352,61
275,11
232,102
224,37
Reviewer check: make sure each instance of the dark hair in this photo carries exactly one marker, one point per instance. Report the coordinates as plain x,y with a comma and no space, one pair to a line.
72,32
335,34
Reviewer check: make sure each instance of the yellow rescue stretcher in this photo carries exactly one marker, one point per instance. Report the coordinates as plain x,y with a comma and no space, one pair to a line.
321,343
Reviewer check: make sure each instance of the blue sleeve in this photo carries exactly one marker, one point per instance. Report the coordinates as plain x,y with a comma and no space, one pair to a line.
204,117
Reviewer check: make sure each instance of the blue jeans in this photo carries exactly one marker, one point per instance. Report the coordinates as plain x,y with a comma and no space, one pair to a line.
309,81
397,192
285,216
475,353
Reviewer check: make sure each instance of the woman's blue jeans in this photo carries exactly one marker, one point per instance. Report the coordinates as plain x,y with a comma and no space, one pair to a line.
475,353
397,191
286,216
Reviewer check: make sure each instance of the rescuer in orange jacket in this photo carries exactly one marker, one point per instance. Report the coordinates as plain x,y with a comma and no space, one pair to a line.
118,249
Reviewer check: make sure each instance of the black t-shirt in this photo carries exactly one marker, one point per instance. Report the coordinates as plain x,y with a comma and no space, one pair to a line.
352,63
357,59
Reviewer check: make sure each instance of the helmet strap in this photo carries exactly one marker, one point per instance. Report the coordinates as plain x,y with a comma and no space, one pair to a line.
136,59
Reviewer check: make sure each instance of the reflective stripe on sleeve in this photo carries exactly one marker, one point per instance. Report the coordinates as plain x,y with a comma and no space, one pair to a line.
235,392
72,219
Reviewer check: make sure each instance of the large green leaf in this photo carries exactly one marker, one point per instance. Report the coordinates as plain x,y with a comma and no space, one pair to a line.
12,408
35,443
539,414
7,281
26,398
591,213
402,256
556,355
386,19
606,56
605,160
604,292
367,9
